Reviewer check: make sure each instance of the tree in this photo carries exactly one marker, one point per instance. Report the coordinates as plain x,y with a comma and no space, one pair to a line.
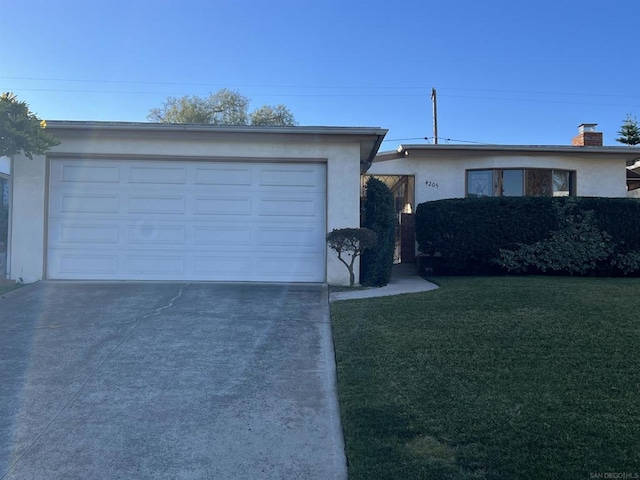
278,116
225,107
629,132
21,130
351,242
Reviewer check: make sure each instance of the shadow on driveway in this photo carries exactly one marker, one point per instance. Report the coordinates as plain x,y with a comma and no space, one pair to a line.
162,380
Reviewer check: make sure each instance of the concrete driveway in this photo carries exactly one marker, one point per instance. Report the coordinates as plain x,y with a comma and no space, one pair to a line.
161,380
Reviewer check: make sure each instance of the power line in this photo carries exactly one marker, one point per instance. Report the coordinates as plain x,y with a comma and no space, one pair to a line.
208,84
422,89
128,92
404,139
325,95
534,100
458,141
429,139
529,92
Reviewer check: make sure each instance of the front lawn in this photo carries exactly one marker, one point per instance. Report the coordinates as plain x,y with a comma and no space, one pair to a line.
492,378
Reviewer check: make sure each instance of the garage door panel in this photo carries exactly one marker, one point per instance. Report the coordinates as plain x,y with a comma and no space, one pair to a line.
288,236
223,175
153,264
83,265
289,207
156,235
69,203
222,236
222,205
157,204
155,174
82,174
69,233
187,220
291,177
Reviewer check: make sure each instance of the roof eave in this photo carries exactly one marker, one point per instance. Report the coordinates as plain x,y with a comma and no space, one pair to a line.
190,127
370,138
564,149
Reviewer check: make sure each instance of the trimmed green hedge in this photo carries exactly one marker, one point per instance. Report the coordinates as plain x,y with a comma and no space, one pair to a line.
378,214
473,236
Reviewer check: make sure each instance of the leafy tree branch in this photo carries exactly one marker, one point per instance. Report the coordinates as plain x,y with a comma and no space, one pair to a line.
225,107
21,130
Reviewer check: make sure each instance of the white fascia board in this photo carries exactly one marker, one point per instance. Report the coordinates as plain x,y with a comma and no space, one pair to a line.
626,152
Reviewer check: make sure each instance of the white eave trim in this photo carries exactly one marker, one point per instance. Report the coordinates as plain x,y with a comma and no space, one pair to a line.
561,149
188,127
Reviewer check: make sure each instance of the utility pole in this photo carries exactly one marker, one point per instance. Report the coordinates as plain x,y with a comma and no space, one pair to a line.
435,115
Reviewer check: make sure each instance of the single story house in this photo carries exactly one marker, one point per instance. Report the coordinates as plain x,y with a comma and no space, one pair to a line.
140,201
422,173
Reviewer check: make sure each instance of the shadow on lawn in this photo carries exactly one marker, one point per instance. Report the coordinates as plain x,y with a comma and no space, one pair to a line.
416,453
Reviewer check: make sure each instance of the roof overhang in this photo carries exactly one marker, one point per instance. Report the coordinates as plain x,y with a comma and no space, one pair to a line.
369,138
629,154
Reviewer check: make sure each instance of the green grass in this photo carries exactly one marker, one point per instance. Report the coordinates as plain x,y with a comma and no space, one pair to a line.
492,378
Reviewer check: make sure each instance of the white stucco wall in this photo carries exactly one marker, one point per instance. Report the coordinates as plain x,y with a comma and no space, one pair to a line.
27,220
341,153
439,178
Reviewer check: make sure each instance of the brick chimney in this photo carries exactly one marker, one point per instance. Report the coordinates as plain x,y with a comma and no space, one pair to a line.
587,136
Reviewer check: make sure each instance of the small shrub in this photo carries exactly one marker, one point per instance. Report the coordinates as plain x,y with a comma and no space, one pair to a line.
627,263
577,247
350,243
378,214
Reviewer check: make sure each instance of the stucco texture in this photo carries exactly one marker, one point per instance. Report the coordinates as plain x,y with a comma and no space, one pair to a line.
340,152
443,177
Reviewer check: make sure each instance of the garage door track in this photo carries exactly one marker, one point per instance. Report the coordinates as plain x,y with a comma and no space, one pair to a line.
163,380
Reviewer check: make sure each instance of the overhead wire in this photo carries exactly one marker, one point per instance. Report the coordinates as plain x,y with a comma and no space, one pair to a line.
325,91
322,90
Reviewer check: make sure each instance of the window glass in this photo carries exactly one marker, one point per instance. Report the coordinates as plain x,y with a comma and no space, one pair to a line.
480,183
561,183
518,182
539,183
512,184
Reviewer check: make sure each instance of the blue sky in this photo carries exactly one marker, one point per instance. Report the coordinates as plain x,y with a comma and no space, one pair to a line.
507,72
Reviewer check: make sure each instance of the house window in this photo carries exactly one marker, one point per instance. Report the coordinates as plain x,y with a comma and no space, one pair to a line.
480,183
510,183
562,183
517,182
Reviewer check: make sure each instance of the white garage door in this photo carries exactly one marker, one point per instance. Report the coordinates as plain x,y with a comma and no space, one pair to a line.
175,220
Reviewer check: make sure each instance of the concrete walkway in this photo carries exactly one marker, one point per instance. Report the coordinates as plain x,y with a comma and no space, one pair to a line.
404,279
